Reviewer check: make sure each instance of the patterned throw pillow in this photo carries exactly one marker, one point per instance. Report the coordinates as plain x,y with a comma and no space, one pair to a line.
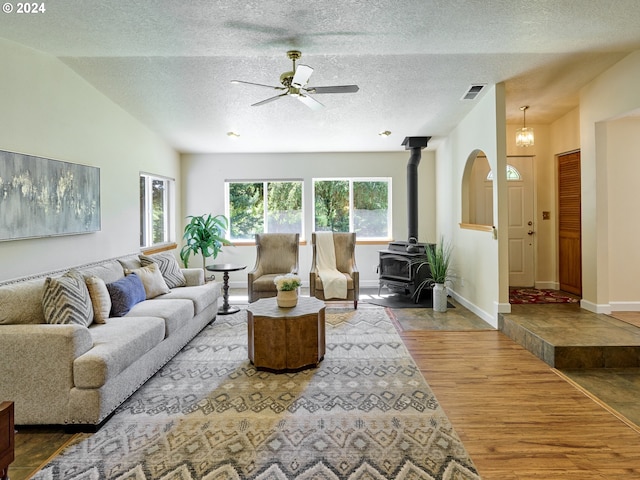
169,268
100,299
152,280
125,293
66,300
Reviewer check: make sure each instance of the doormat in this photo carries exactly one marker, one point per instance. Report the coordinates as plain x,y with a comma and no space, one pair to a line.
540,296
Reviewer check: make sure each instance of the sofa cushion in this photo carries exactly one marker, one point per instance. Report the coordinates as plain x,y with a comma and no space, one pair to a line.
109,271
175,313
66,300
125,293
202,295
117,344
169,268
100,299
22,302
152,280
130,262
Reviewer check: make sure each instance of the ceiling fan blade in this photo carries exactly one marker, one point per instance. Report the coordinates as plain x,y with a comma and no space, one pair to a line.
310,102
301,77
258,84
334,89
269,100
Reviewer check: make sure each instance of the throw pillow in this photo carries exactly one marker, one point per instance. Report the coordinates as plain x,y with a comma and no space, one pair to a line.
169,268
65,300
152,280
100,299
125,294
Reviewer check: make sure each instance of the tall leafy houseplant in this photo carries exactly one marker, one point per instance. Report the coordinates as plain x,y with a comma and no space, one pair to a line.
439,263
204,234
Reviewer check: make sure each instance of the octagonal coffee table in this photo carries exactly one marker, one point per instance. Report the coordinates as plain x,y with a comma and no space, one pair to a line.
286,339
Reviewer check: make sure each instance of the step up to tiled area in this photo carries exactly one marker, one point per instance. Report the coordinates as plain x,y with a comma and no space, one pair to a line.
568,337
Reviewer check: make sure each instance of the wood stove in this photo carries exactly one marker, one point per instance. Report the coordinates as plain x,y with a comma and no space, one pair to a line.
398,263
398,268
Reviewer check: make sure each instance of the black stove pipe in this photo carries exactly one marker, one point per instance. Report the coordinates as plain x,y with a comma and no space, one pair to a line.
412,192
415,144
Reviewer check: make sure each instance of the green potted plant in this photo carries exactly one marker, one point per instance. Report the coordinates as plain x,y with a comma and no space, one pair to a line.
287,287
439,264
204,234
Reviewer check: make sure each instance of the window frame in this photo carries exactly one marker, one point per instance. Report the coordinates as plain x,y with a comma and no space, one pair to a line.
146,212
352,180
265,200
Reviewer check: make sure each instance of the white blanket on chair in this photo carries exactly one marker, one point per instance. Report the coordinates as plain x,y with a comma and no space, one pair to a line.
334,282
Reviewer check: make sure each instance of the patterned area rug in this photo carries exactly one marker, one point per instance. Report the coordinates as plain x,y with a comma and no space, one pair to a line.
536,296
366,413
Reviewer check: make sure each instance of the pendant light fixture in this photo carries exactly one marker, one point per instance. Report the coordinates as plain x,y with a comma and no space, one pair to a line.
524,135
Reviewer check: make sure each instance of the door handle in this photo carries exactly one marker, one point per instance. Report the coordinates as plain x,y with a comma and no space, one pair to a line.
530,232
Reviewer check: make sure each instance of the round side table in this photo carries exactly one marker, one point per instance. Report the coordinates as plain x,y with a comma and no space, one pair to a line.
226,309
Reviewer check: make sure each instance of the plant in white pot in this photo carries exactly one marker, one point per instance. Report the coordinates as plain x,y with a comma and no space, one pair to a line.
287,287
204,234
439,264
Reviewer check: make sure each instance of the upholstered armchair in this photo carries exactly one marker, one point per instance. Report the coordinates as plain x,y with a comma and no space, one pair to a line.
276,254
345,246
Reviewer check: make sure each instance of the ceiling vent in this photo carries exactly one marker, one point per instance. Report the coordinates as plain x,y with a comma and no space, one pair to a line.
473,91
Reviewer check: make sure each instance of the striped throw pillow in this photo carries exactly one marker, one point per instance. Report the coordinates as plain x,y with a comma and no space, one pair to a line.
66,300
169,268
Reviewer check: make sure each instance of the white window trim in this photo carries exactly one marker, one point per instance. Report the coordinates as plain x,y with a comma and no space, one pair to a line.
168,201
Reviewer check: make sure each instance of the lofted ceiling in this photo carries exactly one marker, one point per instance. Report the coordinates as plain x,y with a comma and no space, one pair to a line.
170,63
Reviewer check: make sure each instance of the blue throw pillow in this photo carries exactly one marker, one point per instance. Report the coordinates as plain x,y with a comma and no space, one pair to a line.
125,293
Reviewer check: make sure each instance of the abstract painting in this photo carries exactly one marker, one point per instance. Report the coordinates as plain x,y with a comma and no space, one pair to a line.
40,197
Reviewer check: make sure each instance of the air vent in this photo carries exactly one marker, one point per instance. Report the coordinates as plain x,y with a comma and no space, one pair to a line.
473,91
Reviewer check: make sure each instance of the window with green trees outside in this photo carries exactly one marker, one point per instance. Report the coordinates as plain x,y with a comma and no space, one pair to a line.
273,206
362,205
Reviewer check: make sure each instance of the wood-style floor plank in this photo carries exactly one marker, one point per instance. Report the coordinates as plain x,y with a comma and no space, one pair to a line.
516,416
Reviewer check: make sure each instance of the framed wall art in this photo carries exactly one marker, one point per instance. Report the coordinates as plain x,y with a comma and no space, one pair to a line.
40,197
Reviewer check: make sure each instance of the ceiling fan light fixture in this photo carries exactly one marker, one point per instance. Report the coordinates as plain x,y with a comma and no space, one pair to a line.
384,133
524,135
233,135
293,83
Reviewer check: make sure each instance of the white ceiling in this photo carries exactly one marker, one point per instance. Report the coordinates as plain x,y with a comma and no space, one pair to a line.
170,63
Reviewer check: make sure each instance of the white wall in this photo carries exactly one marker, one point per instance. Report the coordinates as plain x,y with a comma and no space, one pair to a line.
203,192
611,95
478,261
623,173
49,111
564,138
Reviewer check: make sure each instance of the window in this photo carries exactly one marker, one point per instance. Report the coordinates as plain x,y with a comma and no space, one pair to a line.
155,210
272,206
360,205
512,174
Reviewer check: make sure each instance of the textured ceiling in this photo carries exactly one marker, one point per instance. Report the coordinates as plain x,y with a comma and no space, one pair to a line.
170,63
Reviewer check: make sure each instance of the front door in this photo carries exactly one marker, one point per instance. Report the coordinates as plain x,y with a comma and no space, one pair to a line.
521,221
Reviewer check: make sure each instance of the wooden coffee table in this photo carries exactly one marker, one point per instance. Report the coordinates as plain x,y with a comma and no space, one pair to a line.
286,339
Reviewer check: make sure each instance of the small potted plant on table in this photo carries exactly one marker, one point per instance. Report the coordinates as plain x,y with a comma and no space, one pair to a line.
287,286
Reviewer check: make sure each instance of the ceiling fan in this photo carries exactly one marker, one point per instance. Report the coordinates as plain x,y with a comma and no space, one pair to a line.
294,83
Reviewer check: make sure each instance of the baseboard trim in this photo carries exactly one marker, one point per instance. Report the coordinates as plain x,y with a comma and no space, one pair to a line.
486,316
625,306
595,308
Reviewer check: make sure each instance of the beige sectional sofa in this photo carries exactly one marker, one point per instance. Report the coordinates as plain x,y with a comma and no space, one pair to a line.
74,374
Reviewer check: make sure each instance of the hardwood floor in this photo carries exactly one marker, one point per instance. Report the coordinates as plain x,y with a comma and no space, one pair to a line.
518,418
